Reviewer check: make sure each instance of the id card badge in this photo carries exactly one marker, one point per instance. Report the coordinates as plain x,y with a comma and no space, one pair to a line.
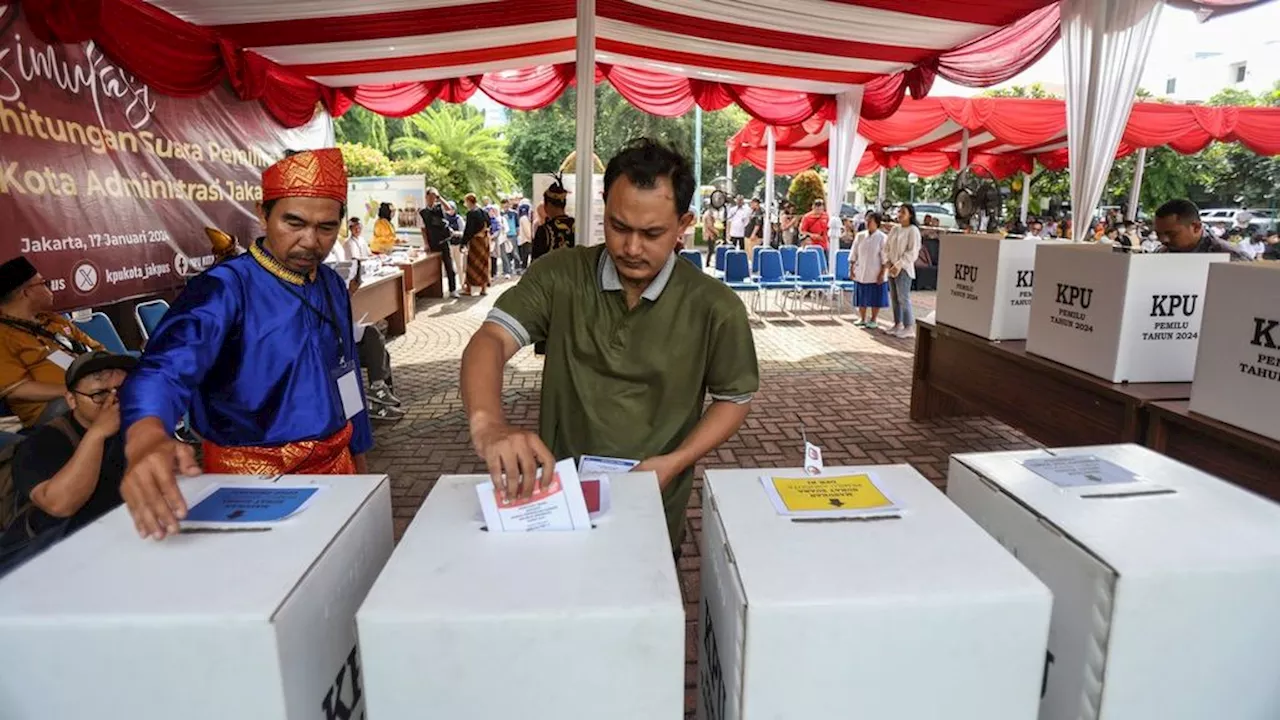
349,389
61,358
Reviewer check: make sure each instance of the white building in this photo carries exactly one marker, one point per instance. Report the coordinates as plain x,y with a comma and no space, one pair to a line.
1242,63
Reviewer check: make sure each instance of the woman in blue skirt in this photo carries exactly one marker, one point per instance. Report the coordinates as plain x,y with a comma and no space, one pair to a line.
871,292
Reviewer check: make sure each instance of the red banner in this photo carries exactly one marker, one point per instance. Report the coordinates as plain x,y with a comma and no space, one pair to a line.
106,186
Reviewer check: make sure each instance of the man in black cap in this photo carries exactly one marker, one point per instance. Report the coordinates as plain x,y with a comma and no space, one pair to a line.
67,473
36,345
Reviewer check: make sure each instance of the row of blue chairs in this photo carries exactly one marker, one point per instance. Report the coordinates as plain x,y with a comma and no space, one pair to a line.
791,272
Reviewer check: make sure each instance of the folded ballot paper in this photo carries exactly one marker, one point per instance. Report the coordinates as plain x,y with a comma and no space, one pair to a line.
557,506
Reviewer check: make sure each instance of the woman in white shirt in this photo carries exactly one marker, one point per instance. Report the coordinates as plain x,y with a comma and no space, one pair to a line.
869,287
901,249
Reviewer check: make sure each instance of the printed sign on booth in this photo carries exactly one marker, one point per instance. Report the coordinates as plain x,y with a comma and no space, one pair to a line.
105,183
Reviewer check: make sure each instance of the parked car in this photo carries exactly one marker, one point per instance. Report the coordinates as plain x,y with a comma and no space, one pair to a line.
945,215
1263,218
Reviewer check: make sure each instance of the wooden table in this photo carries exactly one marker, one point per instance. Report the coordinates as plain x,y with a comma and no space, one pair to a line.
382,298
1244,458
424,275
957,373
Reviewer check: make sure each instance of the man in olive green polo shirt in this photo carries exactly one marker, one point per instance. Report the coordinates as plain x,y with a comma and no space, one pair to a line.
636,340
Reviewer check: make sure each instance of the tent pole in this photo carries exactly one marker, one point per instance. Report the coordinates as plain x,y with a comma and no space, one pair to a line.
884,183
1135,194
586,122
770,167
964,148
697,158
1026,198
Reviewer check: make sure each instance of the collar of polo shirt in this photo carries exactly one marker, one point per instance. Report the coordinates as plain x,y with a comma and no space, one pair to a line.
611,282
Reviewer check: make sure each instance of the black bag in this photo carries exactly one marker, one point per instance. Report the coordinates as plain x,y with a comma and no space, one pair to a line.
19,542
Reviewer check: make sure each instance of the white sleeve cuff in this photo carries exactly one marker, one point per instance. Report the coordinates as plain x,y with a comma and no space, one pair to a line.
507,322
735,399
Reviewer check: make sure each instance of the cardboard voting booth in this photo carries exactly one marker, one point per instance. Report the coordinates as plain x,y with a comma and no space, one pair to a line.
201,626
1165,580
985,284
918,615
468,624
1237,376
1123,317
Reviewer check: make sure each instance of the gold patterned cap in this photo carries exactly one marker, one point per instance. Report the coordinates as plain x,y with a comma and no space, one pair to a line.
311,173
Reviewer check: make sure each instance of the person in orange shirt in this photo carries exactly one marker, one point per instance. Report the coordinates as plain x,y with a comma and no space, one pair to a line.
36,345
814,227
384,234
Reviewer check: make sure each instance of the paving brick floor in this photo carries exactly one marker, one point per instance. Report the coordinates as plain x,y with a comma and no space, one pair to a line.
847,389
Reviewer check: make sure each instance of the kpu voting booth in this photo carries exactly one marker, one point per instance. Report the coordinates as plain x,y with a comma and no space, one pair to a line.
861,592
1165,580
1120,316
221,621
470,624
985,284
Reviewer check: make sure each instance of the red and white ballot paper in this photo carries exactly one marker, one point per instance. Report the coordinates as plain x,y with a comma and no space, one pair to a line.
575,498
559,505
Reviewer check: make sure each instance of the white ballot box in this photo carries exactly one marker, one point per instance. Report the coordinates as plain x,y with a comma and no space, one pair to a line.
200,626
985,284
906,617
1237,376
468,624
1165,580
1120,316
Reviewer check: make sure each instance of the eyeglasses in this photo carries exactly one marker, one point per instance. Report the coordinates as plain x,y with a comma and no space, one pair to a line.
37,283
99,397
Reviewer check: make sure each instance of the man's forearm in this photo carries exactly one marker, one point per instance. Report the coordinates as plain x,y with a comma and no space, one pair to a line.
32,391
482,366
143,436
718,424
71,487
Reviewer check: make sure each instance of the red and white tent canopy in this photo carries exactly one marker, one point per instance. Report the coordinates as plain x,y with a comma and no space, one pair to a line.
783,63
1006,135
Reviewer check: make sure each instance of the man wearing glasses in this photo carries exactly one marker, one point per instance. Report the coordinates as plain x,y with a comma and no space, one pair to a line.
67,473
36,345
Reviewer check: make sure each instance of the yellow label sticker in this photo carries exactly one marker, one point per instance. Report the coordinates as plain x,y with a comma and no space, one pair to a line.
846,492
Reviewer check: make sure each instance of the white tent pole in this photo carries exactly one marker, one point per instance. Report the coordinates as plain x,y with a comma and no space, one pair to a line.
770,167
1026,197
728,175
586,122
1139,167
884,184
964,148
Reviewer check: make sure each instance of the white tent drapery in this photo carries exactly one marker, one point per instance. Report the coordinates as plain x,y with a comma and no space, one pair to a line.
1104,46
845,148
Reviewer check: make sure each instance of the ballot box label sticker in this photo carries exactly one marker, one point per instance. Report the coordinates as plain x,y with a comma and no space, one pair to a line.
1073,471
250,504
837,495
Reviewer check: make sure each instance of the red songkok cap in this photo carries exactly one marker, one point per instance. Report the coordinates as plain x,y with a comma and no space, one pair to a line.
312,173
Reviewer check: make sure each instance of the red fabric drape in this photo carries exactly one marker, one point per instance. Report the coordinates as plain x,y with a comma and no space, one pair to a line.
528,89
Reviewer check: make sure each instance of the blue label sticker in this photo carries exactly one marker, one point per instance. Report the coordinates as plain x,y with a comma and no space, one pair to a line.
250,505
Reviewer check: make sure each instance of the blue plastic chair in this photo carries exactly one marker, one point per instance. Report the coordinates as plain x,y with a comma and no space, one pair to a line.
737,275
843,280
692,256
755,258
148,315
772,276
99,327
809,273
721,250
789,254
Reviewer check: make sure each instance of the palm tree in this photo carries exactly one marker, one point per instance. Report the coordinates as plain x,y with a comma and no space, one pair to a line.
472,156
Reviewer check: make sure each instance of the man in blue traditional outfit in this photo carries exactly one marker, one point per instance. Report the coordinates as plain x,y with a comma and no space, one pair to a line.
260,348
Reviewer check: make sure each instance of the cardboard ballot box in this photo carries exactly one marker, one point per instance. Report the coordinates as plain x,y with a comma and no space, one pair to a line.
468,624
1237,376
1123,317
1164,605
985,284
919,616
201,626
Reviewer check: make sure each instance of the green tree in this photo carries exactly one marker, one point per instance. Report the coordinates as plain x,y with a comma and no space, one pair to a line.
469,156
538,141
1034,90
364,161
361,126
805,188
